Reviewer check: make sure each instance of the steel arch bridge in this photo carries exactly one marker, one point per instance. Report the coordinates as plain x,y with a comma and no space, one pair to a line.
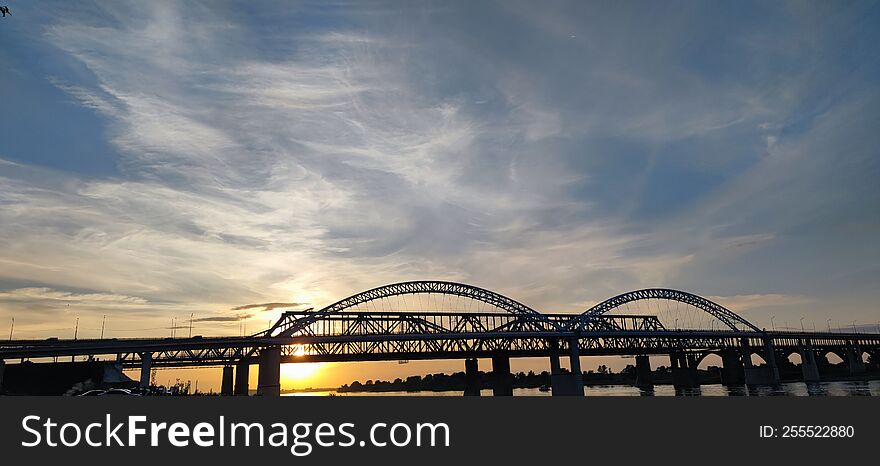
342,332
530,318
724,315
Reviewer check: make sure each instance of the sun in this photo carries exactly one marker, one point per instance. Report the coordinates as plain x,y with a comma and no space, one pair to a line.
300,374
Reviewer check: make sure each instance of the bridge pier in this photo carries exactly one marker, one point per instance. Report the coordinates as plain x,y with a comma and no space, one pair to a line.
502,380
854,359
732,370
242,372
684,370
226,381
809,366
146,363
269,376
566,383
471,377
644,377
764,375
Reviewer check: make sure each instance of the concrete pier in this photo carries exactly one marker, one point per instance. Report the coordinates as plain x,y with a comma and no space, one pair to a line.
768,374
644,377
242,372
565,383
471,377
226,381
809,365
502,380
732,370
684,370
146,366
854,359
269,376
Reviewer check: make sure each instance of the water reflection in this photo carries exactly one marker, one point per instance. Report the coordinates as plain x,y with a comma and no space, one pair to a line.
854,388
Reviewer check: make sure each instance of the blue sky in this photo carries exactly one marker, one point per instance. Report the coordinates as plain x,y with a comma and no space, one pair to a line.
162,158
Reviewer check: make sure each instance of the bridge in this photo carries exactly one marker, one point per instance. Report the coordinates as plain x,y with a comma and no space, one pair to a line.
422,320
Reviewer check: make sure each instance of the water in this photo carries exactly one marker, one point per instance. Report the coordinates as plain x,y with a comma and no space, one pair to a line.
849,388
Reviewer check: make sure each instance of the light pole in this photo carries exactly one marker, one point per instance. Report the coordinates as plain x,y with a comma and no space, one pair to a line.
76,328
103,321
772,323
11,329
191,324
802,325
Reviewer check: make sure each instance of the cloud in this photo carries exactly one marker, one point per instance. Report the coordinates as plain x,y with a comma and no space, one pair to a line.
267,306
742,303
282,168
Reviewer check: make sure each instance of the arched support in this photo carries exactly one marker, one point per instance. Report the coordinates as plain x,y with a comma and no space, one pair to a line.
286,328
724,315
854,359
768,374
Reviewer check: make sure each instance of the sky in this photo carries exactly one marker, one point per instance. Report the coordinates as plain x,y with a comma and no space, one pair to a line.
166,159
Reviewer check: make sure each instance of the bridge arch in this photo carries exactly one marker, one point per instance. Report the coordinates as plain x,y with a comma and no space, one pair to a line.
421,287
719,312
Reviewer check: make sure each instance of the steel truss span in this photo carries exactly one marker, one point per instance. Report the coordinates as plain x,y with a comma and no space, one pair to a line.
286,327
724,315
340,332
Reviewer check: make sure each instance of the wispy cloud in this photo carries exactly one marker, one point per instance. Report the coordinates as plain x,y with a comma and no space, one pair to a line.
545,154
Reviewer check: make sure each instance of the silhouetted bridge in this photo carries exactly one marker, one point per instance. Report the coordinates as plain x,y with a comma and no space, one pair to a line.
446,320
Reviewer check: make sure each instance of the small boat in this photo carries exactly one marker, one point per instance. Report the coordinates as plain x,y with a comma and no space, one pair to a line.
543,388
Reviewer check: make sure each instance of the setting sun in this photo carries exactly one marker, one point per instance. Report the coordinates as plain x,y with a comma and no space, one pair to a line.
300,374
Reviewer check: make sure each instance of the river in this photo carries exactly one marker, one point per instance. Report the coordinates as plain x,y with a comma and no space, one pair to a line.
849,388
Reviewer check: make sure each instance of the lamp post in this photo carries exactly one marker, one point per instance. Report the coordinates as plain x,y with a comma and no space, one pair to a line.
103,321
191,324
